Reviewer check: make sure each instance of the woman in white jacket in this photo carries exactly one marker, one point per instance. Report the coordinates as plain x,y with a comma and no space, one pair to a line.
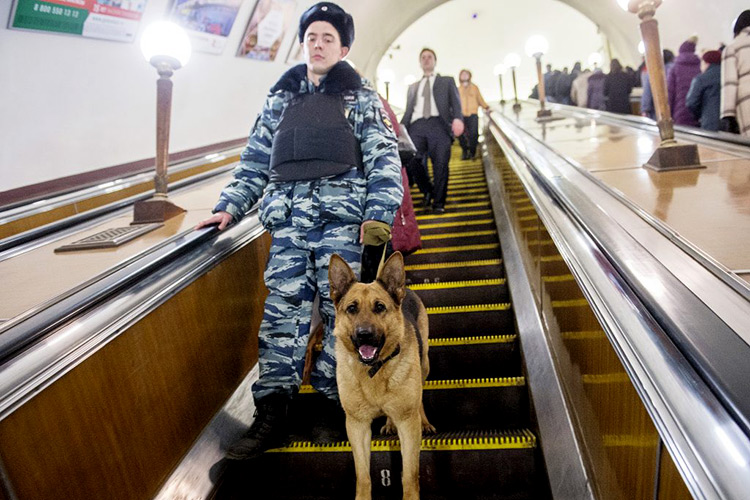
735,79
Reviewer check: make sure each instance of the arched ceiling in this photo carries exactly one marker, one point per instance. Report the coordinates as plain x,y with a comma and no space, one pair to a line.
385,20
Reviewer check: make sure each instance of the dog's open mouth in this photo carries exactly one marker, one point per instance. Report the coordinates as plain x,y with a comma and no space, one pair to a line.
368,352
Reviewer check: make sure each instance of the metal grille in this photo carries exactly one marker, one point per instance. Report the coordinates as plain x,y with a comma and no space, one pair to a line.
110,238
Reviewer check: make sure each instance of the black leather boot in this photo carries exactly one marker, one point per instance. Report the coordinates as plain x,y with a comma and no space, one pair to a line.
329,422
269,430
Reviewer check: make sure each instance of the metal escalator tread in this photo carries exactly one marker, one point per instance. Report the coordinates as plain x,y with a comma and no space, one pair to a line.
447,441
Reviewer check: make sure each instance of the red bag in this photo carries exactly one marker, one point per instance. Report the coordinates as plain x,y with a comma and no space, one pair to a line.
405,234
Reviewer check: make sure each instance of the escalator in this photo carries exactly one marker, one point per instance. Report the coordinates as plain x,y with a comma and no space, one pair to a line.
476,396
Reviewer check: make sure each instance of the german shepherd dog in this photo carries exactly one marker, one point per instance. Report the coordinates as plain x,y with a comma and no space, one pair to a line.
381,363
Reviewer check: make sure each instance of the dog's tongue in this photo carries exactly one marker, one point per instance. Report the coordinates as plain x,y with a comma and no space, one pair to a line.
367,351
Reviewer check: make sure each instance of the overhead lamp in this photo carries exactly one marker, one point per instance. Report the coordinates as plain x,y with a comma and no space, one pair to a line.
669,155
536,47
409,79
499,70
165,46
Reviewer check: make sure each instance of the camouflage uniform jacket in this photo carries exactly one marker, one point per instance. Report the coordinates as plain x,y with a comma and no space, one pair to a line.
351,197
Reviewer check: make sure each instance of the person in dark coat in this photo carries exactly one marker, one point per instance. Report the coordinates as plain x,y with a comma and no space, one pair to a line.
647,99
687,66
617,88
704,97
595,92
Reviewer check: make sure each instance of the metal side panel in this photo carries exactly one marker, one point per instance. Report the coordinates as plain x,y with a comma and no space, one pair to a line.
563,456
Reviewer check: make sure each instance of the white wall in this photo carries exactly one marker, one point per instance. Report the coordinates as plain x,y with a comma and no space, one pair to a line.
70,105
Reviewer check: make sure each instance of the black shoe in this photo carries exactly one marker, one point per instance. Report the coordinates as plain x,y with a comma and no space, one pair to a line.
268,430
437,209
427,200
329,424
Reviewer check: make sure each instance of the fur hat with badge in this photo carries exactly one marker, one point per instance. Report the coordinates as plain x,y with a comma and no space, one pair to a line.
330,13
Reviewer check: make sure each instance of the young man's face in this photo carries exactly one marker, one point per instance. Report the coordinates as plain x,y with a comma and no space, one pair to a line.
322,47
427,61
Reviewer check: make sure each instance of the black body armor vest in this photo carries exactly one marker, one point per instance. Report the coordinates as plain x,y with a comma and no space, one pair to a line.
314,140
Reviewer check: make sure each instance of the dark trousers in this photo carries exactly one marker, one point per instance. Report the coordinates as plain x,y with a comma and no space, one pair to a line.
432,140
470,137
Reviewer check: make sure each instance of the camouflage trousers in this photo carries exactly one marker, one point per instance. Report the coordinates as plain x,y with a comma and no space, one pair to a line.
297,269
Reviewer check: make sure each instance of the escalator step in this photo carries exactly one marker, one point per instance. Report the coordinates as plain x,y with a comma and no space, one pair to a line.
465,252
468,321
444,239
474,357
462,292
450,405
457,226
488,465
453,271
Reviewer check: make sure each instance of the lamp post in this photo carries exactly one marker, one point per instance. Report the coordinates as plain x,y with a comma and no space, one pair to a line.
512,61
387,76
669,155
499,69
536,46
166,46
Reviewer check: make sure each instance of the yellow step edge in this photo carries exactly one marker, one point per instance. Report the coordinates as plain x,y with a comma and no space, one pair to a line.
552,258
540,242
606,378
630,441
463,198
432,385
486,339
521,439
583,335
459,248
570,303
457,284
465,309
457,205
438,225
528,218
446,265
466,234
558,278
477,383
453,215
451,192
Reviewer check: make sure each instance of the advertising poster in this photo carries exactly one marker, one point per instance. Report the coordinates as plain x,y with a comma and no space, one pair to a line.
207,22
294,56
106,19
265,31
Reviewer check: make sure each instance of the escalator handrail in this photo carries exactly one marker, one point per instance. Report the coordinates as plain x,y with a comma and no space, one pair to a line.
37,351
21,209
643,123
688,413
11,242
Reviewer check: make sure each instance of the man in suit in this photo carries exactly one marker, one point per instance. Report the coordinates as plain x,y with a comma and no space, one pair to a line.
433,117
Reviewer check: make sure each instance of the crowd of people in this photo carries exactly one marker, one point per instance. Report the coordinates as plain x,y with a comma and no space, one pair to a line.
709,90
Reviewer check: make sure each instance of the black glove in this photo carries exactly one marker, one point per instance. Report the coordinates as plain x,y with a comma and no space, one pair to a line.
729,124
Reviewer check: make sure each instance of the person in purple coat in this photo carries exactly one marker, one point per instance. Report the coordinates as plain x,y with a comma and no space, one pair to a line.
595,97
687,66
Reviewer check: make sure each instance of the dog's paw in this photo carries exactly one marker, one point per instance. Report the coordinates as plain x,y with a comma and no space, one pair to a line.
428,428
388,428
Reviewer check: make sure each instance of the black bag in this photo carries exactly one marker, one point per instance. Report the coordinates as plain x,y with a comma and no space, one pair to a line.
406,148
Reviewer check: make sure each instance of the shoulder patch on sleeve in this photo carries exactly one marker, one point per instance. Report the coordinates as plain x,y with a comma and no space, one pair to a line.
386,119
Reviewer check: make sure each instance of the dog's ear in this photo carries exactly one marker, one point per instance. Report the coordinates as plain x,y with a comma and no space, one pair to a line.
393,278
340,278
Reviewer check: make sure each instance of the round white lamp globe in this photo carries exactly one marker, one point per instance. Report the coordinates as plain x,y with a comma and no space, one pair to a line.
163,41
512,60
536,45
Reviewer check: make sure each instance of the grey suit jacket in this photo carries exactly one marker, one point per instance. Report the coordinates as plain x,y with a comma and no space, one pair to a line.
448,102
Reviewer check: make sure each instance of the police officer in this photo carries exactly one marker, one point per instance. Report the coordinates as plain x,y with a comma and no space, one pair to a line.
324,157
